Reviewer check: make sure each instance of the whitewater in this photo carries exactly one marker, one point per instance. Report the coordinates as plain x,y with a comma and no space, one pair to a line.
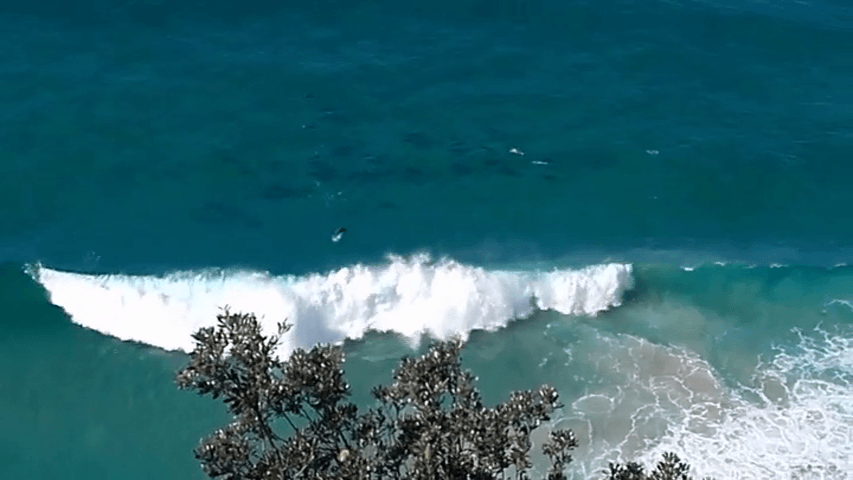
788,415
411,296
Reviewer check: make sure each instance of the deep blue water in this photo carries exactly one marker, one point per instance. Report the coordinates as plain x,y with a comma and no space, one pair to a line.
153,137
171,139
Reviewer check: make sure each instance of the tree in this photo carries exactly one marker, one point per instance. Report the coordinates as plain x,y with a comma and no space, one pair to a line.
430,422
671,468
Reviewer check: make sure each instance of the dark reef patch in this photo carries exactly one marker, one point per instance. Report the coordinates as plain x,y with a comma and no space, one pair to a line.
377,160
321,170
419,140
414,175
233,163
460,148
277,192
366,176
377,169
335,117
216,212
460,168
344,151
593,158
509,171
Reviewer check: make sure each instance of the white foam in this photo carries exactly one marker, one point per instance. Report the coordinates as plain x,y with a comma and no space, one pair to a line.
795,422
802,426
637,389
410,296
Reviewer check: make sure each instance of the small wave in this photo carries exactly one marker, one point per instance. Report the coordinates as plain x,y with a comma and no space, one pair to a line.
411,296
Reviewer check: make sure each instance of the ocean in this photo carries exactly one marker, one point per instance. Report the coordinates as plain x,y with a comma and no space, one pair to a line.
645,204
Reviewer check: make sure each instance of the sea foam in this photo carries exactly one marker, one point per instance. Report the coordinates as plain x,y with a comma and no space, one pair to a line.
795,421
411,296
801,427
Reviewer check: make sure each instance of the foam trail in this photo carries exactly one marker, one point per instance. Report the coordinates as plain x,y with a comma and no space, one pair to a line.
802,427
795,420
410,296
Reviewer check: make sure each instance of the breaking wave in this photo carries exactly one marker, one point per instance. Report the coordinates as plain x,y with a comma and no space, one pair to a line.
411,296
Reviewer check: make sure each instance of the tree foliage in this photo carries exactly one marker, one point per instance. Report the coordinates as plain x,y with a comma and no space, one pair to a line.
670,468
429,423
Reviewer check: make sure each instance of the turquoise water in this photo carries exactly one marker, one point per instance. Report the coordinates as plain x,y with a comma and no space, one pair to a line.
645,204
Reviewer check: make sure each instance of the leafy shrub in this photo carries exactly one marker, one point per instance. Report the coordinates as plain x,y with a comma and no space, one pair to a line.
430,422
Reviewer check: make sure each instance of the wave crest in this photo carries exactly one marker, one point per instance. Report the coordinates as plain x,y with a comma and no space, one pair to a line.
410,296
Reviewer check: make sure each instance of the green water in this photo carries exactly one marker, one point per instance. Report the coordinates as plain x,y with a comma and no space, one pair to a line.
76,404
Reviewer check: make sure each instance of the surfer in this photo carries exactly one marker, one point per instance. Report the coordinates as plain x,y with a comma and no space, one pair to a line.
339,233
